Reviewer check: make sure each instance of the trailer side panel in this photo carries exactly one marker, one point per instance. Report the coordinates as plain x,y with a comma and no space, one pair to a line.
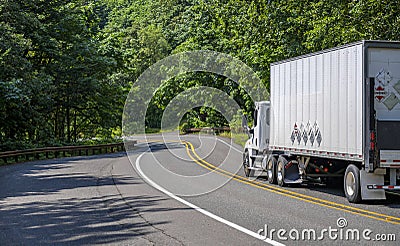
317,104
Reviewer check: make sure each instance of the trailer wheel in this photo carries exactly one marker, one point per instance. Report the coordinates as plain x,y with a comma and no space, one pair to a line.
271,170
280,171
352,187
246,164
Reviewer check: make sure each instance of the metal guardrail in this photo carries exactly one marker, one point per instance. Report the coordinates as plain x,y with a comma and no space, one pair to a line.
62,151
206,129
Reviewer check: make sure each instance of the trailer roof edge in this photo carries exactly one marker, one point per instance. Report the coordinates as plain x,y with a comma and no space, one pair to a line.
366,43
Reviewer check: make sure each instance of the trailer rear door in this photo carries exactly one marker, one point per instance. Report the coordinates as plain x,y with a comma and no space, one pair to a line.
384,67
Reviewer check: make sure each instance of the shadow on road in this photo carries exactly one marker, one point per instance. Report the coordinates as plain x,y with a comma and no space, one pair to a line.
165,146
392,199
48,176
54,202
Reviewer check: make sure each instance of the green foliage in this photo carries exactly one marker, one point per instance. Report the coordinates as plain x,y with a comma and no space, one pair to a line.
237,138
200,117
67,66
183,127
54,82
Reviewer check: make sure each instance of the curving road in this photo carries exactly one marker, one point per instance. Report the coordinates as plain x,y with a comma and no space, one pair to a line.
187,191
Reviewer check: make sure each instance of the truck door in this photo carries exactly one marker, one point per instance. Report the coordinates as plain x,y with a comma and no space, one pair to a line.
267,127
261,125
384,68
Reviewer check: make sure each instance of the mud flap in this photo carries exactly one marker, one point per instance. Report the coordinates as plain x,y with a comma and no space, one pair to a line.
292,175
368,179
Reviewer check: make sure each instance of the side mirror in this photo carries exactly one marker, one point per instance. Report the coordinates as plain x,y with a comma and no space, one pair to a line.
244,122
246,127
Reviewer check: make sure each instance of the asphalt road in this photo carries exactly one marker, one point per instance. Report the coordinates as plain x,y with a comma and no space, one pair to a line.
188,191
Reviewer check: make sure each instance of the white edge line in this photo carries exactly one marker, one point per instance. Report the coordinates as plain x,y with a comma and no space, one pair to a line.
393,193
227,144
230,145
198,209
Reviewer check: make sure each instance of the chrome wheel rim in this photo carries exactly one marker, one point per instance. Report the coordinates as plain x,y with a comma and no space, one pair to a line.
269,171
246,164
280,173
350,183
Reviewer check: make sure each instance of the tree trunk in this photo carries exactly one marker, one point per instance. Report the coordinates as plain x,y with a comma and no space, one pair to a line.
68,111
75,132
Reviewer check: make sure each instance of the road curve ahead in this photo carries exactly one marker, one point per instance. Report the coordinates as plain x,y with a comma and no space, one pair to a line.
178,191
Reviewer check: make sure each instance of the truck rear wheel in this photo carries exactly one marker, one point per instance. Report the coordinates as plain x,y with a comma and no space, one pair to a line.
271,170
280,171
352,187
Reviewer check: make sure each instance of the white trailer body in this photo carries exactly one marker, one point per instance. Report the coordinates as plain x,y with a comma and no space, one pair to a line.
317,104
337,107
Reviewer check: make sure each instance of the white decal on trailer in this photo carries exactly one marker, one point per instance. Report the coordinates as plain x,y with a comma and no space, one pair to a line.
385,92
306,134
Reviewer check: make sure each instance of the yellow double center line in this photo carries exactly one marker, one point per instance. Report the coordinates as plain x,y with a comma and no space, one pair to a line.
321,202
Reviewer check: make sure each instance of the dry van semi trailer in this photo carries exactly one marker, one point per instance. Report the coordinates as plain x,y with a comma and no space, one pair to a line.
331,114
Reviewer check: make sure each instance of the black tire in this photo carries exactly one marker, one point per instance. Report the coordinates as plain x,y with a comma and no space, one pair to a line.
246,163
271,170
352,185
280,171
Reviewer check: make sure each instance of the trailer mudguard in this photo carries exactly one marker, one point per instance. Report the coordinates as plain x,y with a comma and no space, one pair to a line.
369,179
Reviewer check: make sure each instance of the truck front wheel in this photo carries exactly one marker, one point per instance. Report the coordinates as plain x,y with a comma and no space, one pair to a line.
271,170
352,187
246,164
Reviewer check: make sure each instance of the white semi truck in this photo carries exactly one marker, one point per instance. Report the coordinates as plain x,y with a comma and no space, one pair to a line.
333,113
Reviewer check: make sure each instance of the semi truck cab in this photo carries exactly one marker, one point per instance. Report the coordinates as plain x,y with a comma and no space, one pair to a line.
260,132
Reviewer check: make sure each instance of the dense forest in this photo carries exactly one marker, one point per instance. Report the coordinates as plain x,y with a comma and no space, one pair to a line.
66,66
